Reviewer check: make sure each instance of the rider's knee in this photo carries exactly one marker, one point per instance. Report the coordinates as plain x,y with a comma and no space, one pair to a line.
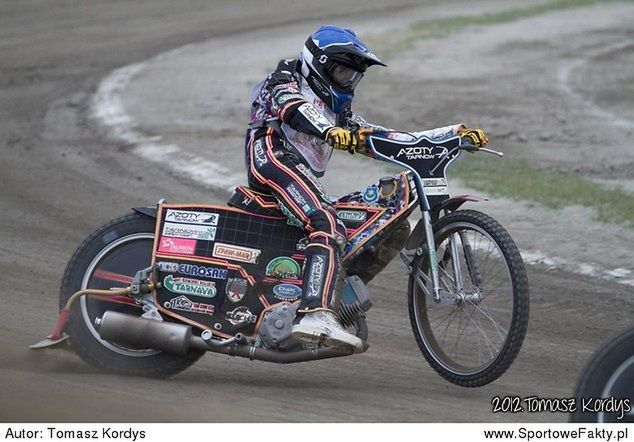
328,228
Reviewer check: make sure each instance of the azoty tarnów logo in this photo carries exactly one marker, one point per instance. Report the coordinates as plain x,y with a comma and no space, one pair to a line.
191,217
422,153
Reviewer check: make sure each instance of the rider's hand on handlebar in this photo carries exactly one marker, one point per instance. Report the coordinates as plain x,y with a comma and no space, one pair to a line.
343,139
477,137
361,134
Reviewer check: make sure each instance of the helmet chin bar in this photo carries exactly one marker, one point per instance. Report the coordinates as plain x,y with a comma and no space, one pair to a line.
340,100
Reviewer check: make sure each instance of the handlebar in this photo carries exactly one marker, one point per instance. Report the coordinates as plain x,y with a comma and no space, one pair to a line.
464,146
471,148
491,151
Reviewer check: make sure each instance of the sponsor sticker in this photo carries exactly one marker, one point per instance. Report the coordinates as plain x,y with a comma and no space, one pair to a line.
357,216
310,175
283,267
236,253
315,276
286,97
291,219
313,116
436,191
260,155
190,217
422,153
297,196
241,315
287,292
185,304
302,244
189,231
189,286
178,246
193,270
164,266
236,289
433,182
371,194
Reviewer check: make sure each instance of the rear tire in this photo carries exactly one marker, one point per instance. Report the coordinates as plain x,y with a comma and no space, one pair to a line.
610,373
108,258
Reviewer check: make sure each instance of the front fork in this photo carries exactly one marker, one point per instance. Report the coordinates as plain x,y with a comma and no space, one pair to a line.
431,253
439,296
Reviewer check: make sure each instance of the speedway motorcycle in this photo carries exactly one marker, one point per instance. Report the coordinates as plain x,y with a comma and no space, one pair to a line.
149,293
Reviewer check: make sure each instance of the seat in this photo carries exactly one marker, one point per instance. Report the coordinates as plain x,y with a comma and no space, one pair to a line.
255,201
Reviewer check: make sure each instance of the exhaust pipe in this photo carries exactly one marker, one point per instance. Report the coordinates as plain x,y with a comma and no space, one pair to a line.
178,339
145,333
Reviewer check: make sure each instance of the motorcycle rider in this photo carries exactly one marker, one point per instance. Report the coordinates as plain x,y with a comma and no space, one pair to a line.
299,113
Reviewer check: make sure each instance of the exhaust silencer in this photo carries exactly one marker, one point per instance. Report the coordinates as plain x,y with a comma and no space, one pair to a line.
145,333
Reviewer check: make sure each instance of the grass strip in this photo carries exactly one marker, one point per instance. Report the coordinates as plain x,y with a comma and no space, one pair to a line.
520,180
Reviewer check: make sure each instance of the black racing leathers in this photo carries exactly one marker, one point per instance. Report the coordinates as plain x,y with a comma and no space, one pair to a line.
274,168
285,152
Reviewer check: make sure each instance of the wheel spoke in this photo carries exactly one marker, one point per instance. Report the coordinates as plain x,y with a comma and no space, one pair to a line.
490,318
486,337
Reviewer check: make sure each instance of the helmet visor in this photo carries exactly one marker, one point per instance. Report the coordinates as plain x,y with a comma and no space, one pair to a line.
344,76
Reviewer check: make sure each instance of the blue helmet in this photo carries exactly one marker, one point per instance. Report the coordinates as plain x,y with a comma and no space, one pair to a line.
333,61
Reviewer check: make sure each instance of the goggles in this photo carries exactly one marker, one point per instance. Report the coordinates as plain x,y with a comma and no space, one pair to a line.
344,76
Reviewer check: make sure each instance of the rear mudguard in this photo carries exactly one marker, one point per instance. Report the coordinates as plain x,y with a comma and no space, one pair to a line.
450,204
147,211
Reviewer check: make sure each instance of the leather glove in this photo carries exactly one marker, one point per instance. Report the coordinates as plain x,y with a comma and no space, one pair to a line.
477,137
362,133
342,139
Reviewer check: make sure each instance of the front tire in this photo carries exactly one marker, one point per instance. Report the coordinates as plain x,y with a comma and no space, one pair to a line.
492,315
108,258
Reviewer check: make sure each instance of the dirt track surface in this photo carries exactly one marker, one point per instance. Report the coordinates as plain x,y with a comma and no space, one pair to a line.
60,179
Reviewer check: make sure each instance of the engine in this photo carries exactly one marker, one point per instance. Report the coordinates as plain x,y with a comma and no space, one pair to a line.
277,325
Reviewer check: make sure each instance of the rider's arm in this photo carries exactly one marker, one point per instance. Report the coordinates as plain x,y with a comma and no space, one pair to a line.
291,107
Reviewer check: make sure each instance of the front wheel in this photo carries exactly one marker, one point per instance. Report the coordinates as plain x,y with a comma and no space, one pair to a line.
109,258
472,341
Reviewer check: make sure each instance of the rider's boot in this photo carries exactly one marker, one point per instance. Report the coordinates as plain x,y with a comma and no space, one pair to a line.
323,326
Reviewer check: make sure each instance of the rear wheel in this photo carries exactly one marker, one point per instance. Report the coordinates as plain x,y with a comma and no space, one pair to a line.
609,376
473,341
109,258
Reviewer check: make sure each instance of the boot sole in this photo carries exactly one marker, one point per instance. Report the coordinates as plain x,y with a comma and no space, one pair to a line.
328,341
